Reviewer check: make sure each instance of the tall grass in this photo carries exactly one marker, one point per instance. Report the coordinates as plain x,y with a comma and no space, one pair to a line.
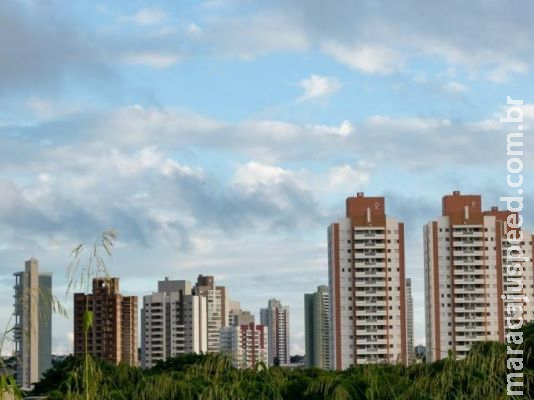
480,376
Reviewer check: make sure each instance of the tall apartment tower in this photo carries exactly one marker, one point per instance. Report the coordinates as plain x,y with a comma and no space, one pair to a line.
409,322
217,300
113,334
367,285
317,328
246,344
33,323
465,276
276,318
173,322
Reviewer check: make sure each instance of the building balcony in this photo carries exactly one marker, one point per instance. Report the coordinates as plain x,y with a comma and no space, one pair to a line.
468,270
468,261
374,283
371,330
466,280
469,318
467,232
371,273
469,308
467,242
464,289
479,329
467,253
364,235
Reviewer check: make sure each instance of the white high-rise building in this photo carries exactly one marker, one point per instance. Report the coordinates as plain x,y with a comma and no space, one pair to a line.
246,345
367,286
218,307
466,275
33,323
173,322
276,318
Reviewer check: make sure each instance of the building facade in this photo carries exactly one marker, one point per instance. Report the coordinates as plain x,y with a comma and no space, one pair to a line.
246,345
317,328
217,302
276,318
367,286
237,316
33,323
113,334
465,276
409,323
173,322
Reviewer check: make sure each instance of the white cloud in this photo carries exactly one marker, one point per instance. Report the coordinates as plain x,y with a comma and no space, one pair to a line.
251,37
194,29
146,16
318,87
454,87
254,174
365,58
500,73
148,158
153,59
343,130
420,78
347,176
48,110
407,124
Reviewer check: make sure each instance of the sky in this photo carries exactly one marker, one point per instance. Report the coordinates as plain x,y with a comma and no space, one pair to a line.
221,137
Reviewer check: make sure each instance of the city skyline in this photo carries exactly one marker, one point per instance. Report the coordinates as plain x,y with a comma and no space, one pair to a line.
221,137
256,313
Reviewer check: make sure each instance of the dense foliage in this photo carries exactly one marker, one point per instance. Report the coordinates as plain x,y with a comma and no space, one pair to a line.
482,375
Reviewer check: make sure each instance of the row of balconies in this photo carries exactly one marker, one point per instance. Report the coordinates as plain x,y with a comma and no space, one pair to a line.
470,326
370,272
369,243
371,330
467,252
469,270
469,280
471,232
377,235
467,289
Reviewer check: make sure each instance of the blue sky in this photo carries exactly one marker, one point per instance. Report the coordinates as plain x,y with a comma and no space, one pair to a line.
222,137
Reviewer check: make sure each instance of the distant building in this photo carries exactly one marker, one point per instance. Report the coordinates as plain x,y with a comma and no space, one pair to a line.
465,276
317,328
276,318
246,345
237,316
409,322
217,300
173,322
33,323
420,353
113,334
367,285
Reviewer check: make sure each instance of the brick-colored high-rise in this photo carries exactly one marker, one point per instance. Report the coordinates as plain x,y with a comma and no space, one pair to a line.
113,335
465,276
367,286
